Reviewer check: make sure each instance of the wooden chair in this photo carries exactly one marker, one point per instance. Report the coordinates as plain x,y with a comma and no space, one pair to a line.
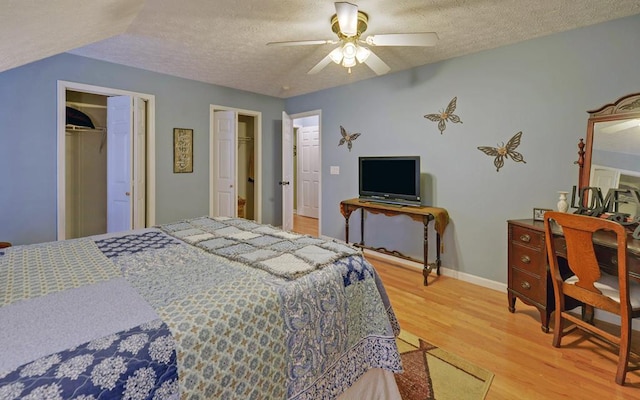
591,286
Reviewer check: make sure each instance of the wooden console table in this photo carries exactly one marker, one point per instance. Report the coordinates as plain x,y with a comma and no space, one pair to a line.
420,214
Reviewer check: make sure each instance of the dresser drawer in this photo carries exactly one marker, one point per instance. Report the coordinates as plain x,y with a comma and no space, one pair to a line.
527,237
529,286
608,259
528,259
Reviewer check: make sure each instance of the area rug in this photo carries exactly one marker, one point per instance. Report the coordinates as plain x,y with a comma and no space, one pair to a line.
435,374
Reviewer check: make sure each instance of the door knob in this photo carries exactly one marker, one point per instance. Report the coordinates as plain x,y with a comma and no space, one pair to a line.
127,193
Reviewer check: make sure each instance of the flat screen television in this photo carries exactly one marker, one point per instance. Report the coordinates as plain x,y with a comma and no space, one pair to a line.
394,180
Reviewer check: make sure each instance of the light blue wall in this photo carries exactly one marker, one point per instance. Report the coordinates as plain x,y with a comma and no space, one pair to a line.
28,141
541,87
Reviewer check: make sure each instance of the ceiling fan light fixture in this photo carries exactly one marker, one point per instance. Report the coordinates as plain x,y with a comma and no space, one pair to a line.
336,55
362,53
349,62
349,50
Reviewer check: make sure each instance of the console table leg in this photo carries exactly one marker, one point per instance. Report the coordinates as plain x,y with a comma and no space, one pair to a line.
427,269
362,227
438,262
346,229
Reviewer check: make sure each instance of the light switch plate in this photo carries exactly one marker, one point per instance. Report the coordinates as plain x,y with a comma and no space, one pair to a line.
335,170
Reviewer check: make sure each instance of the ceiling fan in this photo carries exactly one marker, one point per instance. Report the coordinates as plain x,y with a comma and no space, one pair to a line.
348,23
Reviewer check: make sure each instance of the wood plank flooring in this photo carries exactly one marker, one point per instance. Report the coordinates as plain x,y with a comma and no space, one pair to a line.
306,225
474,322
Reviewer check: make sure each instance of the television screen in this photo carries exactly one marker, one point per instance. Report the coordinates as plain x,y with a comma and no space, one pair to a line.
390,179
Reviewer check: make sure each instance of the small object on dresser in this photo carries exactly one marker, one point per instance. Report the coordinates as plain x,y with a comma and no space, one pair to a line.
563,206
538,213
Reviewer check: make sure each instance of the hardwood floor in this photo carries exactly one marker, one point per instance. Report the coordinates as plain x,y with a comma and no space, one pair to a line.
305,225
474,322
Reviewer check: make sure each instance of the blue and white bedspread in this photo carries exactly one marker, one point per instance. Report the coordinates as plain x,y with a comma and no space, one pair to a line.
199,309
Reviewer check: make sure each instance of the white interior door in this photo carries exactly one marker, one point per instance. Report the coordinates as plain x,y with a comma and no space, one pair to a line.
605,178
139,163
224,150
119,160
309,170
287,172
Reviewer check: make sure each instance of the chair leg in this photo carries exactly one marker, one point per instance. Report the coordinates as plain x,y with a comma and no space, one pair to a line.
625,347
588,313
557,328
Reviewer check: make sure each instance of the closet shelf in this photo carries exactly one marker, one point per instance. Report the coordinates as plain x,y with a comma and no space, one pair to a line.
77,128
84,105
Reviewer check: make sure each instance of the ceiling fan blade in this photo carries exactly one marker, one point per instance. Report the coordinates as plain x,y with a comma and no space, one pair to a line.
319,66
347,18
301,42
403,39
376,64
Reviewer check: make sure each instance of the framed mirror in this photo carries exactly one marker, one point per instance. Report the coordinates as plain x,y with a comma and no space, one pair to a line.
612,150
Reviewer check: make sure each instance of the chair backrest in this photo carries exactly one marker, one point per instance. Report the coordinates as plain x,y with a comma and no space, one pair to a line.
578,232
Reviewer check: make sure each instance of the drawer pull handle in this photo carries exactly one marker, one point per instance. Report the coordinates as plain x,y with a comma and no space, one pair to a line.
526,285
614,260
525,259
525,238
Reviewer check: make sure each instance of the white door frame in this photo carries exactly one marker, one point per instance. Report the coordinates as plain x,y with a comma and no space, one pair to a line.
62,88
257,157
317,113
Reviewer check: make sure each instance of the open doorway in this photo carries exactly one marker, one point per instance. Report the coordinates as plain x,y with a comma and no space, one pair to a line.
307,172
235,163
106,160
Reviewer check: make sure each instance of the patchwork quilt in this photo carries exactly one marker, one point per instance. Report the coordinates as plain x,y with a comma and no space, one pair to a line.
199,309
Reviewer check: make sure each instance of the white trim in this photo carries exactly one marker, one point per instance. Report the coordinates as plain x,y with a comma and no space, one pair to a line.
257,153
317,113
452,273
62,87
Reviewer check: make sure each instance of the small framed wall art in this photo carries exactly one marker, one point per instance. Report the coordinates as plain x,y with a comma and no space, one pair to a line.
538,213
182,150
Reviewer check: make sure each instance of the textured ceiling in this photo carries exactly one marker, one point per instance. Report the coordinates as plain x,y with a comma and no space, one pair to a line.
224,41
31,30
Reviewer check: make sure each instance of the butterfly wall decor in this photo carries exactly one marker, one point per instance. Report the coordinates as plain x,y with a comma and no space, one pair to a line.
504,151
347,138
444,116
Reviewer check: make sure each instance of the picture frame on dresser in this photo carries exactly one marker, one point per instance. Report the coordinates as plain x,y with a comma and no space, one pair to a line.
538,213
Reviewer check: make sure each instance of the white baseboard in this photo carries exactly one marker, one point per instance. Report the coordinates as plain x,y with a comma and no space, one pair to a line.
499,286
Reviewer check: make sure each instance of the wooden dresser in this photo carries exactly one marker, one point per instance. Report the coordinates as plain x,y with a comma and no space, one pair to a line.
528,270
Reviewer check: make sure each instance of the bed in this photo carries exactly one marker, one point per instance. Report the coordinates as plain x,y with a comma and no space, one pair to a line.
206,308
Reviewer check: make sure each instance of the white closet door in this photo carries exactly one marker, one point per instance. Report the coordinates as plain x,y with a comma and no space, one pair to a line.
119,160
224,181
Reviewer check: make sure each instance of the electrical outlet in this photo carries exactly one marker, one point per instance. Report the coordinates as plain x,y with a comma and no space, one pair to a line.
335,170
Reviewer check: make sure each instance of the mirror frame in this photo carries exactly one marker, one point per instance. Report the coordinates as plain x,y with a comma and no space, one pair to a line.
627,107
